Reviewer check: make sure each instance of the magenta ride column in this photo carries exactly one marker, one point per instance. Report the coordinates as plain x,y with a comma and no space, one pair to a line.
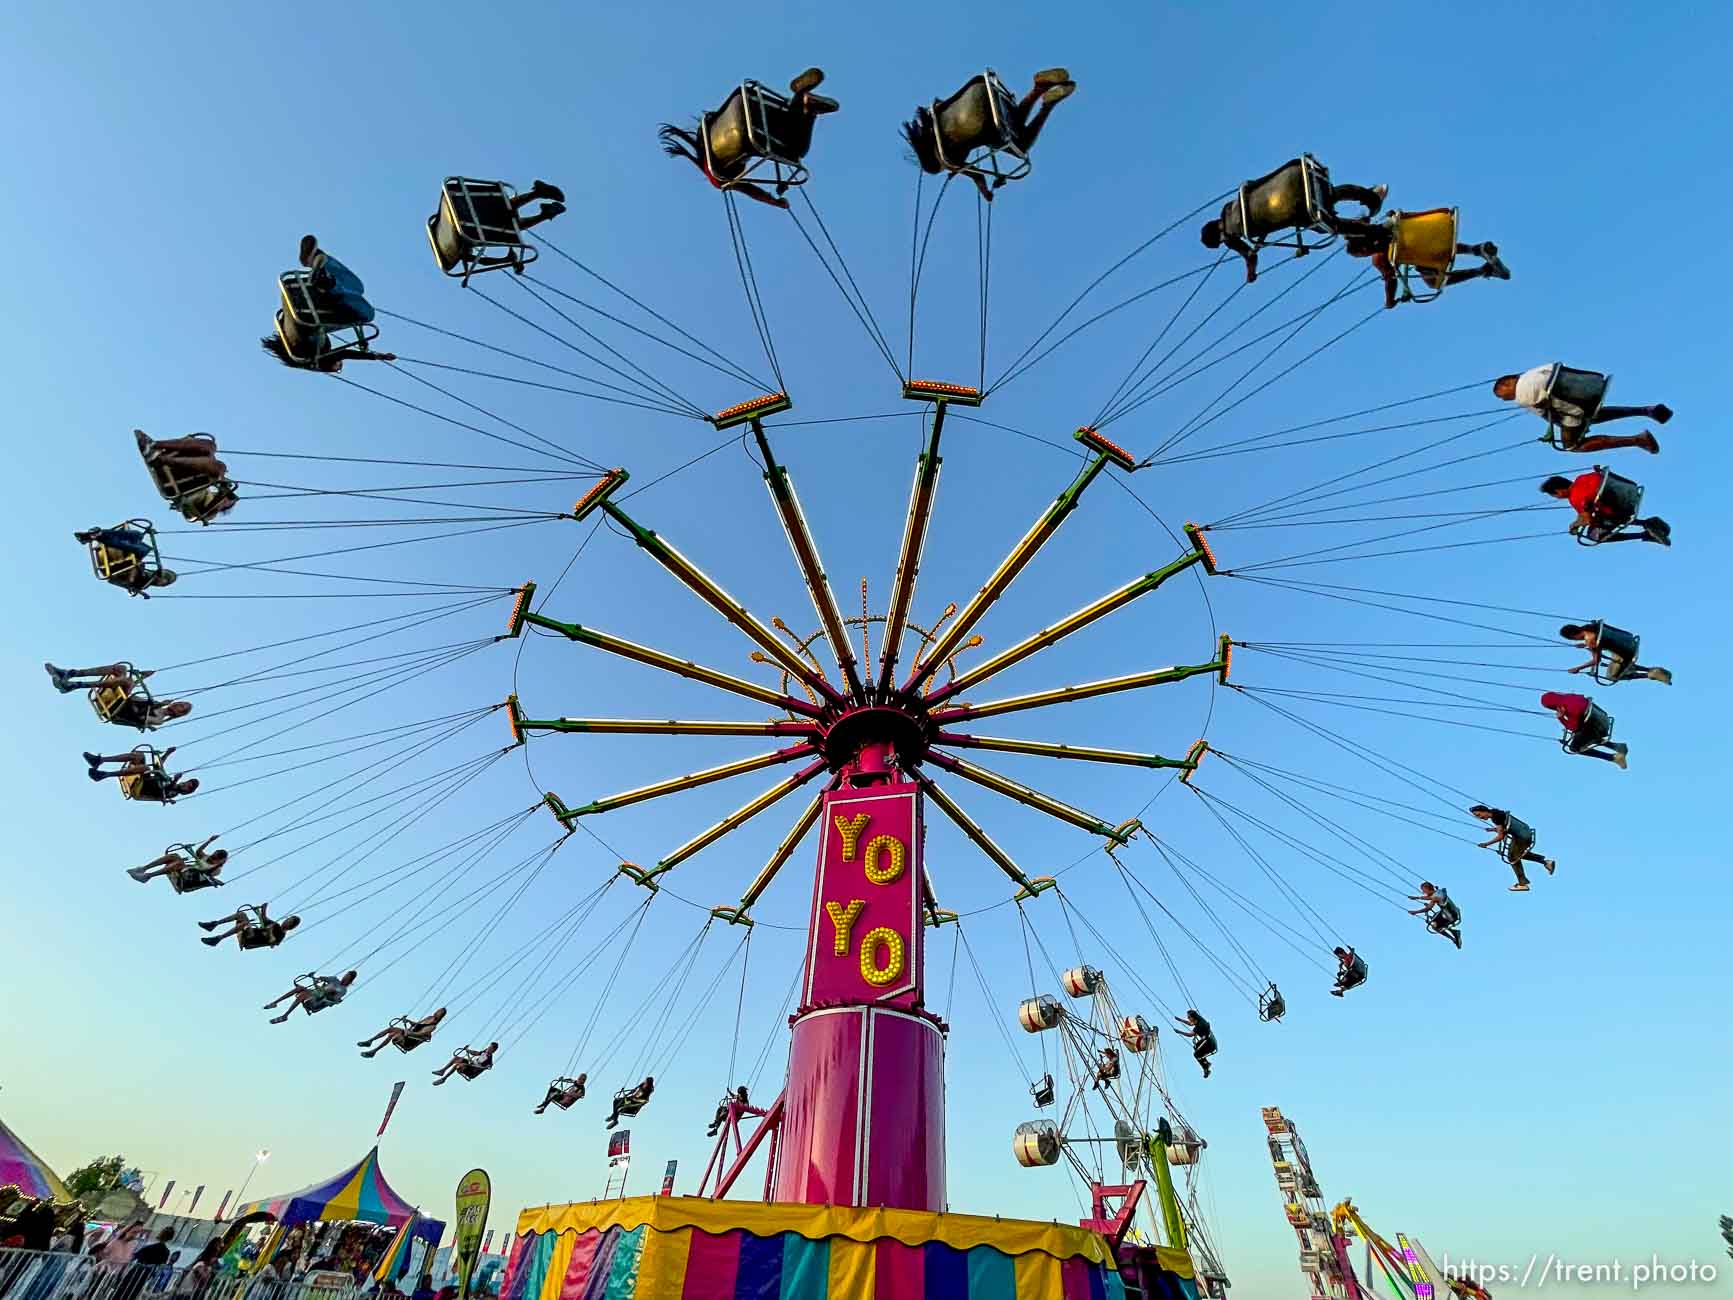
864,1118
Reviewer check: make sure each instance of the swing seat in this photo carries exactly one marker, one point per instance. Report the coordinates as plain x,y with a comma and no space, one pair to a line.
1294,198
1356,975
307,319
1039,1013
1616,503
628,1101
1081,981
1581,390
476,221
196,498
1596,728
190,880
1618,652
1042,1090
974,127
1107,1070
108,700
1445,917
137,786
1037,1143
123,568
1423,248
1271,1005
1519,838
756,131
1205,1046
1136,1033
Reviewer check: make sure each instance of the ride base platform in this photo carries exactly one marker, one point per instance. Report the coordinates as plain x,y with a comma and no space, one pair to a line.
694,1248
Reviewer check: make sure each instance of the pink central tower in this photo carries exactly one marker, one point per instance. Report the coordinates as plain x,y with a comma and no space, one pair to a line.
864,1110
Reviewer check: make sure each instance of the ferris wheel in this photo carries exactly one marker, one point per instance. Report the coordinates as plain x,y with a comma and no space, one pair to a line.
875,719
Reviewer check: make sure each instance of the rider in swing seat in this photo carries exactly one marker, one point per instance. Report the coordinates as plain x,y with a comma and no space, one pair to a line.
1297,196
1603,515
1612,654
313,993
564,1093
188,474
125,557
1514,840
1441,914
339,301
1203,1039
1405,246
475,216
1570,401
142,775
196,868
1588,729
984,115
118,694
467,1063
250,927
1351,971
404,1033
629,1101
736,1098
754,125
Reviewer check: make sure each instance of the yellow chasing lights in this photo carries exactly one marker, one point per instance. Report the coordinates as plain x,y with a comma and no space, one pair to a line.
605,488
932,390
1201,543
514,716
896,952
1193,757
752,409
1106,447
1227,658
520,607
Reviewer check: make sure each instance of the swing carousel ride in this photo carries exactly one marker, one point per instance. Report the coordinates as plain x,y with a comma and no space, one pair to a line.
1246,834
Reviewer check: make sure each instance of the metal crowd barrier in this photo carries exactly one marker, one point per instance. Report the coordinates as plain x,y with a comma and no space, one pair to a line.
57,1275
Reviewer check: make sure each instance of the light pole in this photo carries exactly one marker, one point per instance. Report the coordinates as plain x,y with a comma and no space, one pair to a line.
259,1158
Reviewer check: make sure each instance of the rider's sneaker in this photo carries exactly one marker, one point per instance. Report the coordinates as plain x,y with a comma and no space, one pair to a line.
811,79
1052,77
1053,94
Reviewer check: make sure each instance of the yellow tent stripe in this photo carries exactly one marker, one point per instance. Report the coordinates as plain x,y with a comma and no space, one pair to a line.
668,1214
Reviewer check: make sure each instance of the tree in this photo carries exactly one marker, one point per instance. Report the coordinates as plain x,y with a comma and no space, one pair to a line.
91,1181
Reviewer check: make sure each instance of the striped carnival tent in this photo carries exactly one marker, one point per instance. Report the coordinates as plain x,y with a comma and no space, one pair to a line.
22,1168
358,1194
692,1248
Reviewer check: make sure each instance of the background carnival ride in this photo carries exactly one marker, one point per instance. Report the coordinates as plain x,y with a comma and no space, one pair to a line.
506,990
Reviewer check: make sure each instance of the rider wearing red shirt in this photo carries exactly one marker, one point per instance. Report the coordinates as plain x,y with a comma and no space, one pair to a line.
1603,522
1595,742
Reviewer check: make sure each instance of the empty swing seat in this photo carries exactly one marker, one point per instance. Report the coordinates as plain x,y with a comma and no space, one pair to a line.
1296,198
1039,1013
1081,981
1618,652
1037,1143
1271,1005
756,125
1423,247
974,126
1581,391
476,221
1042,1090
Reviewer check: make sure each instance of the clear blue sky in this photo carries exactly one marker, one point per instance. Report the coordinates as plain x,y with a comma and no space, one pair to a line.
1554,1087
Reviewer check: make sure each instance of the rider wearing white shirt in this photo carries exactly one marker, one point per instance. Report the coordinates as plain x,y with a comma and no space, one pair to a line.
1531,389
